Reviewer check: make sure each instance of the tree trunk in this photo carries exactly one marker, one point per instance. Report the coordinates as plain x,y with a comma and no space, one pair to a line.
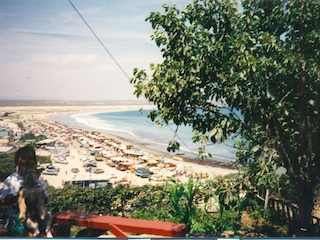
305,210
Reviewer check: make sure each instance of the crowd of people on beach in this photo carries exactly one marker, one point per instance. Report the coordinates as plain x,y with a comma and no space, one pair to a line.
89,158
118,160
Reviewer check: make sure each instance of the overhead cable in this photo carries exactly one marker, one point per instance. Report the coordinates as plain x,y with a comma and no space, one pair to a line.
105,48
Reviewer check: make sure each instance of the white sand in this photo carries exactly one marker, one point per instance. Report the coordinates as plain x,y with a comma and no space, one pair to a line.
37,116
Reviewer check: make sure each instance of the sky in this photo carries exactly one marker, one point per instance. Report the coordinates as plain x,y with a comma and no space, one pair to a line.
47,52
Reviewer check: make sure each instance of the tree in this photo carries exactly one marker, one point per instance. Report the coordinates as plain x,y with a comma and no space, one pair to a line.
7,166
253,74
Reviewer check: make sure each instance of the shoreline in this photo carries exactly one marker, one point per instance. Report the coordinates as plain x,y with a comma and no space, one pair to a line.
28,114
221,155
146,145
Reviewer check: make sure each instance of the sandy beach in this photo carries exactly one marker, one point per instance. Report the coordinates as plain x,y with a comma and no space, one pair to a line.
37,120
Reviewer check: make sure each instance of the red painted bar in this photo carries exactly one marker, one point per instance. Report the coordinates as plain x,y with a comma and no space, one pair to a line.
117,231
119,225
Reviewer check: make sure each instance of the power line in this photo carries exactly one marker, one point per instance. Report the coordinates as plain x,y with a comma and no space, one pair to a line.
105,48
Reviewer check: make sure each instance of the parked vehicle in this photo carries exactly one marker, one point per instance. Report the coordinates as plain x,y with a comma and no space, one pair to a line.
89,183
112,164
94,170
49,172
99,158
99,170
90,164
121,182
51,167
75,170
142,172
61,160
122,167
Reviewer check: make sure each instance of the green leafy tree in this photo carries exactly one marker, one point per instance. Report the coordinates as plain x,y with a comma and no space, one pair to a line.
7,166
252,74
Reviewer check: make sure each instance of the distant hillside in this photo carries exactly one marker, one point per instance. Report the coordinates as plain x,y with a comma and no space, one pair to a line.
68,103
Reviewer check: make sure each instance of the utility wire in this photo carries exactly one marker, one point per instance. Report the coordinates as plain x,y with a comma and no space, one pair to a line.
105,48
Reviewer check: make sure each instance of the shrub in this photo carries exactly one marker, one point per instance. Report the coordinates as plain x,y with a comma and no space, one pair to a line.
7,166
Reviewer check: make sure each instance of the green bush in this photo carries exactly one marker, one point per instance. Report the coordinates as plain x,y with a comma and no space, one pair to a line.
156,203
145,202
203,223
44,159
7,166
227,220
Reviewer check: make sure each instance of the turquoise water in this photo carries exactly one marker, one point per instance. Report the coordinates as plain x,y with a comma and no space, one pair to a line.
135,126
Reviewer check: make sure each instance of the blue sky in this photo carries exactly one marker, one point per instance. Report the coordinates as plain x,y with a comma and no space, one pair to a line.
47,51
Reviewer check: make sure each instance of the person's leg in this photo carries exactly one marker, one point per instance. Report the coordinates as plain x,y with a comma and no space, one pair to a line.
48,226
33,226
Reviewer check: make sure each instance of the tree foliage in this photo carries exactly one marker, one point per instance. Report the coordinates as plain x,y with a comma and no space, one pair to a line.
154,202
7,166
252,74
145,202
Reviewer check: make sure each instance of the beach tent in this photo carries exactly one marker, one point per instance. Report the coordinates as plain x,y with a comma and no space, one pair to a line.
133,153
45,142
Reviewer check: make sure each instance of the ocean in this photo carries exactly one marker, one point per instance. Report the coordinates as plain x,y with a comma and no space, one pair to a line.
134,126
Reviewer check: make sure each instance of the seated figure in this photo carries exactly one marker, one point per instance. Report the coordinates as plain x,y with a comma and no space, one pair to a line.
25,160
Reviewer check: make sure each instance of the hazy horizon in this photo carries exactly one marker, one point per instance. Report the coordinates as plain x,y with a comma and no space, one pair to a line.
39,102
